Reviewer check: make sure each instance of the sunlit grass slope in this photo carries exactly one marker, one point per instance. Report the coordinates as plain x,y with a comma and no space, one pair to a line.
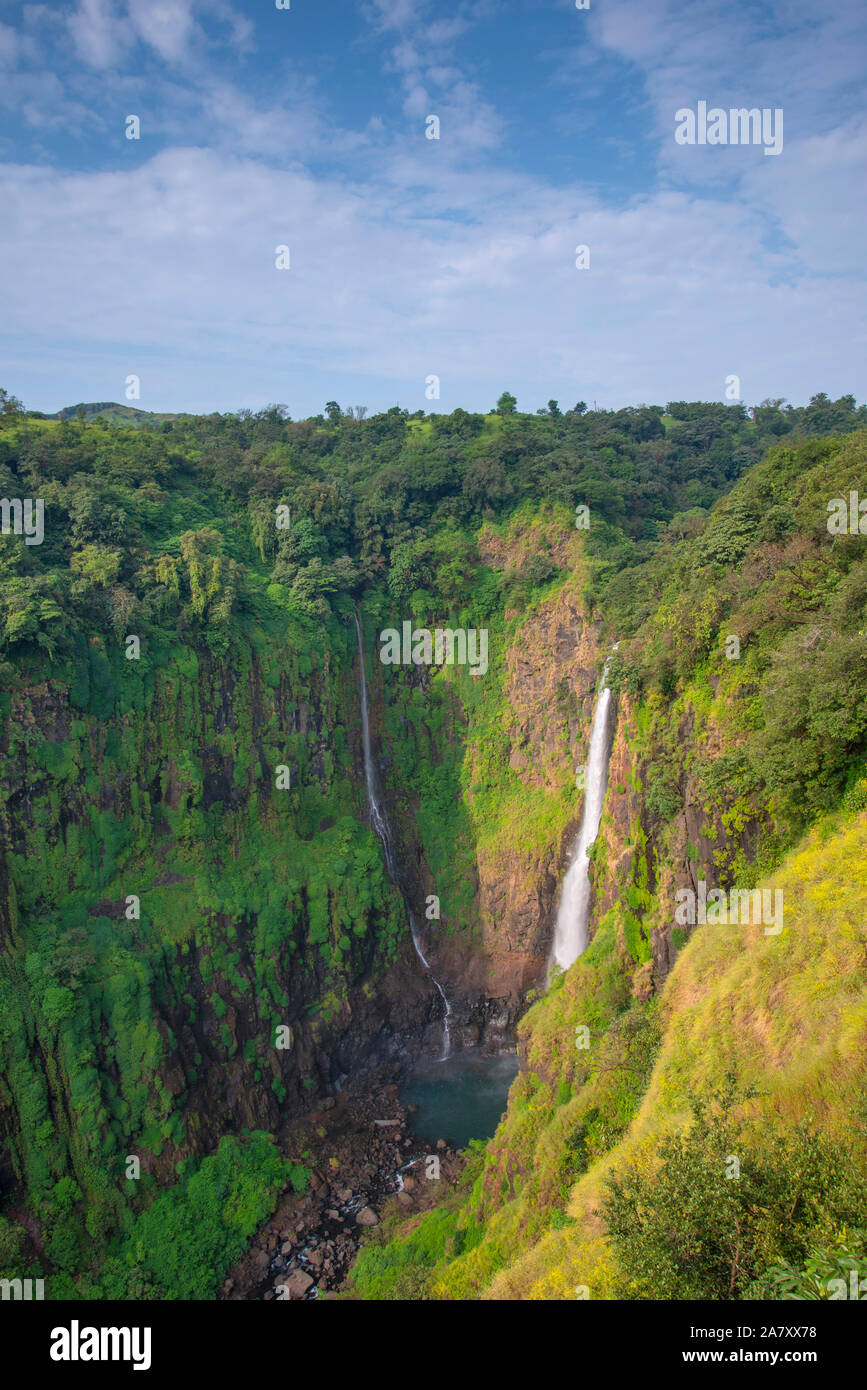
780,1019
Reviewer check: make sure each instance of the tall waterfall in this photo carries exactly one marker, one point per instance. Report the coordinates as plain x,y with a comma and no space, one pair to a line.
573,914
383,830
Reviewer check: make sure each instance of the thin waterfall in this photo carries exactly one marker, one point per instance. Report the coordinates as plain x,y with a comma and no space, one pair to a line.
571,934
383,830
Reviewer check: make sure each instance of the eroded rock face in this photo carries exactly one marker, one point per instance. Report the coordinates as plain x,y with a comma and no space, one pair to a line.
550,672
667,854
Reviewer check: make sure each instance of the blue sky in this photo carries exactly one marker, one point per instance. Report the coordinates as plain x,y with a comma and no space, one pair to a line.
410,257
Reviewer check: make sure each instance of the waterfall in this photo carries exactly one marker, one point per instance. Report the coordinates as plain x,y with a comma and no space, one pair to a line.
383,830
571,934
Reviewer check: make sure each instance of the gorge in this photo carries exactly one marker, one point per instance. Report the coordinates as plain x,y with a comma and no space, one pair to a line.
221,991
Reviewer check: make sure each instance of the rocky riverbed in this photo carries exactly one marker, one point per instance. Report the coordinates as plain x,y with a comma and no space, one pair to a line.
364,1160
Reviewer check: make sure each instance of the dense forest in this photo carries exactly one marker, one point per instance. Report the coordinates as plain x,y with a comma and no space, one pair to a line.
188,868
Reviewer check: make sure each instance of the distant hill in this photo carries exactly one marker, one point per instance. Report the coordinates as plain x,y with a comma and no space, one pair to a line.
111,410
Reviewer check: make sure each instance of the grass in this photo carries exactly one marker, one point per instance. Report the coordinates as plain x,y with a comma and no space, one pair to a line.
785,1016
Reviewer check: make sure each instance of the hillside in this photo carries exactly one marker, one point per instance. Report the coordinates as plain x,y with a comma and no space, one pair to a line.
213,945
720,765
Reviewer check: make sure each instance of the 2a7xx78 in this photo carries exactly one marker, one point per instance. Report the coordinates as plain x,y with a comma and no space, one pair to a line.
787,1332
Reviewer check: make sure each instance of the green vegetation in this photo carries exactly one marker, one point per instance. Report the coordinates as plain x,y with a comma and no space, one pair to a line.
168,901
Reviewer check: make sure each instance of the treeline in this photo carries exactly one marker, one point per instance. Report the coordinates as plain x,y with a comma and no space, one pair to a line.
173,522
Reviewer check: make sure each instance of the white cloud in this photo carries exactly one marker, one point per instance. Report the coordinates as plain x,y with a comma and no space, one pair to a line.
424,256
167,25
174,261
100,37
395,14
9,45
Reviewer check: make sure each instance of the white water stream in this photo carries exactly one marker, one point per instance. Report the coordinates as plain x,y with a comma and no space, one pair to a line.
571,934
383,830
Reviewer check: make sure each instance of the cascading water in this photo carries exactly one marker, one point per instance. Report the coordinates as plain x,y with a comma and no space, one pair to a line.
573,914
383,830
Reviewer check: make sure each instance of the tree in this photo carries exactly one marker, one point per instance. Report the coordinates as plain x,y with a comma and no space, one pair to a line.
332,410
507,404
10,406
685,1225
485,482
97,564
554,409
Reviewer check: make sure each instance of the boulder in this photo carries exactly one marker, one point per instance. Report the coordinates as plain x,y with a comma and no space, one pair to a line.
366,1217
295,1286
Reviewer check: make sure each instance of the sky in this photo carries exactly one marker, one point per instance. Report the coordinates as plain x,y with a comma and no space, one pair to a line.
429,273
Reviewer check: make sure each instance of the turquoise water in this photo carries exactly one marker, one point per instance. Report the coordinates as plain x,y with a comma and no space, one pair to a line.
461,1098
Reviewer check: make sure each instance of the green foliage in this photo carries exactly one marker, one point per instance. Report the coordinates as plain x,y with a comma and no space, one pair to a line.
688,1224
183,1244
154,776
835,1271
661,795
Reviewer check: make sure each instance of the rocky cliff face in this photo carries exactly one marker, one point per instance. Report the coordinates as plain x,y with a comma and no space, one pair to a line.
552,668
257,907
647,855
546,663
168,954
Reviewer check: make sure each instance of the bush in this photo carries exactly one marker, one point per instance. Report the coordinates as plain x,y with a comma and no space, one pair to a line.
684,1227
